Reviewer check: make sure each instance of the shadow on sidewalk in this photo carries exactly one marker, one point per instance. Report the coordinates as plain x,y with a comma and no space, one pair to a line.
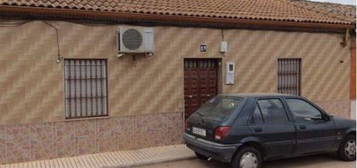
318,161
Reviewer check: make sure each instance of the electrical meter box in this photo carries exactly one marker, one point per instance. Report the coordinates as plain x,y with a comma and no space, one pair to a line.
230,69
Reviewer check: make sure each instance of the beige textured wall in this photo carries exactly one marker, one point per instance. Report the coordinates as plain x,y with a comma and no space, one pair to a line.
324,78
31,82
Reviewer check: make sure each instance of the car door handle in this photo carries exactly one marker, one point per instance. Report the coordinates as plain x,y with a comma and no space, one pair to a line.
258,129
302,127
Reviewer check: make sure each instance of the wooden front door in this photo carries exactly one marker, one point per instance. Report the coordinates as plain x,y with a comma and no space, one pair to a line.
200,82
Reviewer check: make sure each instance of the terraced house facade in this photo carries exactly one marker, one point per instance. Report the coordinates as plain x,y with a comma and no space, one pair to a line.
80,77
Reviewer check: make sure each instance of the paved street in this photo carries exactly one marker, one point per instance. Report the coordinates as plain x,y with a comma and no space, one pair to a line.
321,161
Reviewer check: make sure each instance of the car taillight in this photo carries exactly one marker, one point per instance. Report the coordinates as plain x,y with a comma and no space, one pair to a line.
221,132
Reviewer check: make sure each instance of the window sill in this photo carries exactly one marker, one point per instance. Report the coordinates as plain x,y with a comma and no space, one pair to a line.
87,118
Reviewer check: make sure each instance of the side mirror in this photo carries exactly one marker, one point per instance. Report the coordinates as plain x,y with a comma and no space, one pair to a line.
329,117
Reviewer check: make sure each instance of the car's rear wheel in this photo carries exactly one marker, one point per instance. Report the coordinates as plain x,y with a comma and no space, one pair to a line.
347,149
201,157
247,157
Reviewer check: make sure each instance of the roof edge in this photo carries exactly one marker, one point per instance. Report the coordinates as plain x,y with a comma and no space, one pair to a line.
320,11
63,14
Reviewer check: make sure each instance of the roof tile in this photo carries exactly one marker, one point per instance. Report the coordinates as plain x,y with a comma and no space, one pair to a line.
277,10
343,12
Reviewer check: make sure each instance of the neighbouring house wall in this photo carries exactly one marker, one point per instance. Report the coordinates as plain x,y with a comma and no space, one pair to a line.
353,109
146,93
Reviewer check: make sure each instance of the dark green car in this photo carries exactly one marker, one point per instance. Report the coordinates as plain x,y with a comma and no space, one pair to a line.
247,129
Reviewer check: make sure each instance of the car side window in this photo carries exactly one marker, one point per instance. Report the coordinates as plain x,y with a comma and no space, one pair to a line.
257,116
272,110
303,110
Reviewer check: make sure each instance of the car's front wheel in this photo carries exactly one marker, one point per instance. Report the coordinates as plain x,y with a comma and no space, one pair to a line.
347,149
247,157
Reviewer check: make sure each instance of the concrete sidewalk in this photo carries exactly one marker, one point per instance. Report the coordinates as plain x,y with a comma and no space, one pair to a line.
117,159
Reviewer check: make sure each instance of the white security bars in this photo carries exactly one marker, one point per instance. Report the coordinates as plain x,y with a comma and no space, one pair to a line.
85,88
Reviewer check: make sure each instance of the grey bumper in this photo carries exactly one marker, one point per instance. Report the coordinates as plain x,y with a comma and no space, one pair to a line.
221,152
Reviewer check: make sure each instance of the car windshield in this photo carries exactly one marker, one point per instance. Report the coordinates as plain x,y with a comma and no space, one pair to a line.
219,108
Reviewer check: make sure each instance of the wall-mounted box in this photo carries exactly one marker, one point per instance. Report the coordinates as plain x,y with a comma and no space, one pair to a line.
230,71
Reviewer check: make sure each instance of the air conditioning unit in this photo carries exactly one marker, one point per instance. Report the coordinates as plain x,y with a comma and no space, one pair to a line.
135,40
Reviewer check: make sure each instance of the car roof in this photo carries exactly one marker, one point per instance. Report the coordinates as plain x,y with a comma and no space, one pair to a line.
257,95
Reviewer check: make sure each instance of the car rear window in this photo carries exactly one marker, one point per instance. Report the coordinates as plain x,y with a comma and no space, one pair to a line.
219,108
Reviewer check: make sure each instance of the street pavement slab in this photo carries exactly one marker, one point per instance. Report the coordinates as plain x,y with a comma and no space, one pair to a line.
119,159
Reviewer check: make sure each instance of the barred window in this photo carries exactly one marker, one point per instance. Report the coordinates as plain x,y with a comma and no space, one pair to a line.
289,76
85,88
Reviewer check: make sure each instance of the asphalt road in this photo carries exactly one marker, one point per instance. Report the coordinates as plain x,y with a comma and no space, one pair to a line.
320,161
